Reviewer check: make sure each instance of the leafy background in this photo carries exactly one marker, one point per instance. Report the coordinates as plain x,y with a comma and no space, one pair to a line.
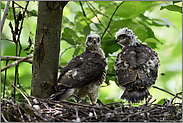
157,23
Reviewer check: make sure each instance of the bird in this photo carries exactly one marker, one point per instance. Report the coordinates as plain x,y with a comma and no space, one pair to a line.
83,74
136,66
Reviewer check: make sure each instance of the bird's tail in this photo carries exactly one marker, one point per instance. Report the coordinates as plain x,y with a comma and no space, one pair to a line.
135,95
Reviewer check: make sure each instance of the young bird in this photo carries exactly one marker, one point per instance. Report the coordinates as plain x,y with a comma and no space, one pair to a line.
136,66
84,74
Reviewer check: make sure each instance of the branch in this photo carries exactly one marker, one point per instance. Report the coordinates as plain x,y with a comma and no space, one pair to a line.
6,39
99,11
5,15
69,48
16,62
111,19
14,58
3,117
21,26
5,79
97,18
82,8
130,115
22,95
166,92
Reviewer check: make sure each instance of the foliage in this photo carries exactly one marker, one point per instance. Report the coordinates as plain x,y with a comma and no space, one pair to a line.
149,20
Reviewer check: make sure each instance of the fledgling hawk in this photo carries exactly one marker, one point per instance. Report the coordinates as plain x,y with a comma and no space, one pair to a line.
136,66
84,74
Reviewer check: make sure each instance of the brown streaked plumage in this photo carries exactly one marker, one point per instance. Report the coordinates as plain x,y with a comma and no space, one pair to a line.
84,74
136,66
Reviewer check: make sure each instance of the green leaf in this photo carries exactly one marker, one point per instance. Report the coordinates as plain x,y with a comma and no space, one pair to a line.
172,8
33,13
162,101
10,16
86,30
151,40
103,3
66,20
70,36
2,5
130,9
139,30
176,2
79,26
76,51
95,28
150,34
109,45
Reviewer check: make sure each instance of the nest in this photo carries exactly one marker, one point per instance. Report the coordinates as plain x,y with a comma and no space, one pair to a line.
44,110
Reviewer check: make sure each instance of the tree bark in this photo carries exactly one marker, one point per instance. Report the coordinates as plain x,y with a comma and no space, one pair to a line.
46,49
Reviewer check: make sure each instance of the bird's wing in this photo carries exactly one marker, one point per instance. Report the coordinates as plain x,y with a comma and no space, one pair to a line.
90,70
133,62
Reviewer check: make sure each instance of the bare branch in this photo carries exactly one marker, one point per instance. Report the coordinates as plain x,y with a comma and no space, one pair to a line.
22,95
3,117
130,115
111,18
82,8
16,62
166,92
97,18
5,79
69,48
6,39
5,15
99,11
21,26
14,58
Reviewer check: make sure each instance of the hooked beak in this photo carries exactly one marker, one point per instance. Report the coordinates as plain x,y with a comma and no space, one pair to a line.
94,40
116,40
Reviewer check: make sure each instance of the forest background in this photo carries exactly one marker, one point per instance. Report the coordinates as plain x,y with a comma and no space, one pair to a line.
157,23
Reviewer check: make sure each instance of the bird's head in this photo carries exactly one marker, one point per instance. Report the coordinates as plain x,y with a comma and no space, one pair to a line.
93,42
125,37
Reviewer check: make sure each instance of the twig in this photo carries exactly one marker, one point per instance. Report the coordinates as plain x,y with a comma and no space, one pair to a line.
175,97
99,11
5,79
111,19
69,48
80,99
6,39
14,58
4,15
23,95
166,91
14,33
19,5
97,17
21,26
16,62
3,117
130,115
44,119
82,8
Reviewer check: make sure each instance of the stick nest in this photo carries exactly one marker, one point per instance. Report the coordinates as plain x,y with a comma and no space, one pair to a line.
43,110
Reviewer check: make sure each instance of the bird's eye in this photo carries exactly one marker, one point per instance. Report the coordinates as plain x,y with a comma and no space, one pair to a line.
98,39
90,39
122,36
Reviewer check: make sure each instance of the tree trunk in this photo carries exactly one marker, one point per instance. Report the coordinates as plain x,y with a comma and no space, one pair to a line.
46,49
